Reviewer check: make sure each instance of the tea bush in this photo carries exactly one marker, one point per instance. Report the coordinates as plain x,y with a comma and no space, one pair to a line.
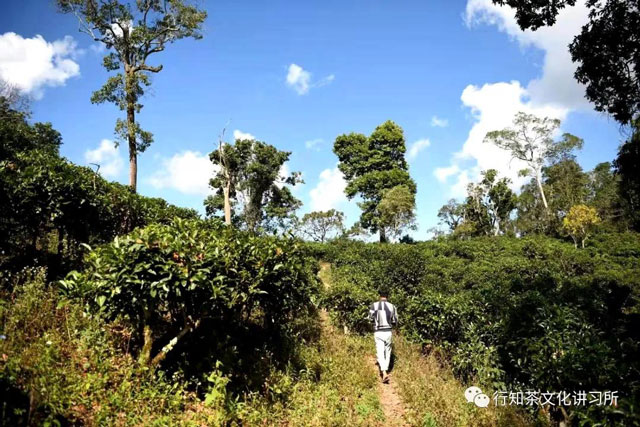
198,292
530,313
49,206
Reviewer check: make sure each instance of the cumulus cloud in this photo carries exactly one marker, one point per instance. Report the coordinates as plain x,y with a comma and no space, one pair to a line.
556,85
555,93
299,79
417,147
30,64
437,122
329,192
188,172
108,156
237,134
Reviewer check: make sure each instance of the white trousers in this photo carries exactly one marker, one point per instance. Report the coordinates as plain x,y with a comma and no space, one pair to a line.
383,348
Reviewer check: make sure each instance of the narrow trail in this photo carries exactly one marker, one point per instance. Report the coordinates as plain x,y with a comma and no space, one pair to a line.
392,405
390,401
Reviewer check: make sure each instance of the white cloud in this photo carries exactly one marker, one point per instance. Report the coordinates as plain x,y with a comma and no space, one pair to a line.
555,93
30,64
107,155
329,192
299,79
188,172
438,122
313,144
237,134
417,147
556,85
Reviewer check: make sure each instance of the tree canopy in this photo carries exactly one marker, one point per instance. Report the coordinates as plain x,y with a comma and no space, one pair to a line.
322,225
372,165
531,140
258,188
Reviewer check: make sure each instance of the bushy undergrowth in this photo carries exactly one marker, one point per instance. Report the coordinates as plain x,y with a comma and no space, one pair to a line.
337,387
195,293
59,366
189,318
531,313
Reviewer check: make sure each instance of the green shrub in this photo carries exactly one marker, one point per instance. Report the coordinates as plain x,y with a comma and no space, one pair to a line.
198,292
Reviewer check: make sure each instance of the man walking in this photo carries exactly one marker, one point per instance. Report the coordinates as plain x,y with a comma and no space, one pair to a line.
384,316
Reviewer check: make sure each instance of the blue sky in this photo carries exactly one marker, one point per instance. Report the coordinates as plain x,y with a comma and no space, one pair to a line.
298,74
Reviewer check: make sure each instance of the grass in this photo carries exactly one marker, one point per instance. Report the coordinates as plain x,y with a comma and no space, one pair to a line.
434,397
338,389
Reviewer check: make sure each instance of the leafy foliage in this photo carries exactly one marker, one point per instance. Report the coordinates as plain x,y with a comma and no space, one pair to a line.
626,167
580,223
166,281
372,165
257,190
397,210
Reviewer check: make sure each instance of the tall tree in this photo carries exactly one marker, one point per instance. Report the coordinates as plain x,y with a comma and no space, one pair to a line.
132,33
580,223
372,165
607,50
604,195
566,184
397,210
451,214
531,141
321,225
258,191
532,217
489,203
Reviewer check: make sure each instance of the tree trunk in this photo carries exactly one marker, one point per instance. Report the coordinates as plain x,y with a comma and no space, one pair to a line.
145,354
539,181
227,202
131,133
383,236
167,348
226,191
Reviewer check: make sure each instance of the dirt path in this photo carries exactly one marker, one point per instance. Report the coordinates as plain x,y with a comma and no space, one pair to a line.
390,401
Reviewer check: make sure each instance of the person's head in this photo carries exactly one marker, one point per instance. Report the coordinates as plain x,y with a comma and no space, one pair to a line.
383,293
